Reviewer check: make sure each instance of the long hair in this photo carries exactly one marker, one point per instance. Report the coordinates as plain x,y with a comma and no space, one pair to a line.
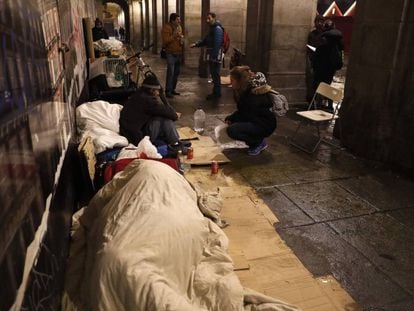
243,75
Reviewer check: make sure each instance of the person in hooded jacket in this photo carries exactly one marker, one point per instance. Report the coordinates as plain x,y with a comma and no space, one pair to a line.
324,69
314,40
144,114
253,120
213,41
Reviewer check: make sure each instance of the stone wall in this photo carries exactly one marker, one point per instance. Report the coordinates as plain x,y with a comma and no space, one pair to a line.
377,112
192,31
292,21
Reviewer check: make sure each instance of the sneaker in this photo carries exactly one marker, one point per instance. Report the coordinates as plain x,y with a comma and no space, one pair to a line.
175,93
257,150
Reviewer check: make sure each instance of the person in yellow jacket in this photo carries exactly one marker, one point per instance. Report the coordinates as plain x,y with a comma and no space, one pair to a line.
172,41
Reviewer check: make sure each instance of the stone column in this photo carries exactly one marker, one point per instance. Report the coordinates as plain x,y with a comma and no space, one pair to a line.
292,21
155,30
377,115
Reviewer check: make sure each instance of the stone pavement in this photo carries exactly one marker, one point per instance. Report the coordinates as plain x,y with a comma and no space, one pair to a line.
341,215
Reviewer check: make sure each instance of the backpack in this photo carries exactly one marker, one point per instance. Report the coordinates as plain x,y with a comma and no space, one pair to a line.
336,57
226,41
280,103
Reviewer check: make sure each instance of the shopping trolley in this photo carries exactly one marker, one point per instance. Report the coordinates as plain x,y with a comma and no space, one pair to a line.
109,78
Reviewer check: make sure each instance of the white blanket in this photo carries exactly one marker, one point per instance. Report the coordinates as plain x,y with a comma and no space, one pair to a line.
100,120
143,244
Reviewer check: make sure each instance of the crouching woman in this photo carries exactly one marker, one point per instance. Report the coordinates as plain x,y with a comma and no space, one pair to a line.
253,120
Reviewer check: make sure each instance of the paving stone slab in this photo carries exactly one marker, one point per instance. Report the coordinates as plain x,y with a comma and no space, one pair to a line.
259,171
326,201
406,305
324,252
405,216
385,192
387,243
286,212
344,161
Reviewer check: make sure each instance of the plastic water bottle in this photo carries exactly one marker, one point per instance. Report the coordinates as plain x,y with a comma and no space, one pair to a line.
199,121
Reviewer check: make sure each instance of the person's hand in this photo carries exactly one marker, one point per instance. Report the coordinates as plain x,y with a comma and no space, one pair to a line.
193,45
178,114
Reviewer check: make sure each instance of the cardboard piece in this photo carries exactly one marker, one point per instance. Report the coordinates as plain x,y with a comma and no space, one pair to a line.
239,260
205,151
187,133
263,261
87,149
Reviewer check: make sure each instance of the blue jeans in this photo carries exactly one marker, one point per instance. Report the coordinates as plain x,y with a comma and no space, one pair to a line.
159,128
215,75
173,71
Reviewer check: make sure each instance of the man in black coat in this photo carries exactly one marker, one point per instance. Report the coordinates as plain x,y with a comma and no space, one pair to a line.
314,41
145,115
323,63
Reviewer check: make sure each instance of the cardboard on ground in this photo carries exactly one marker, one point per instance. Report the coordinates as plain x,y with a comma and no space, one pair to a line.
205,151
262,260
186,133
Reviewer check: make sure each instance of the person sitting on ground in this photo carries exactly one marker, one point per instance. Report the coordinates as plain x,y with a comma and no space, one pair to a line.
145,115
253,120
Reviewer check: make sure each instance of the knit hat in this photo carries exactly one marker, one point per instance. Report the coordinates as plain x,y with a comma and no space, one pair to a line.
259,79
151,82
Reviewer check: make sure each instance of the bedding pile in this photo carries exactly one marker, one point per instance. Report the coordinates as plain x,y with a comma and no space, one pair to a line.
100,120
143,244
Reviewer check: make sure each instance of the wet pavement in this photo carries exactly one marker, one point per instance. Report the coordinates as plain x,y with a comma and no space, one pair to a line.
341,215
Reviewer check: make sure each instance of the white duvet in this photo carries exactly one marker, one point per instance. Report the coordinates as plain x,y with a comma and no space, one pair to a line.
143,244
100,120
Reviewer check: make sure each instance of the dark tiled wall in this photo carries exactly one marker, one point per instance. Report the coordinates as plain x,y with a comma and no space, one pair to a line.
37,153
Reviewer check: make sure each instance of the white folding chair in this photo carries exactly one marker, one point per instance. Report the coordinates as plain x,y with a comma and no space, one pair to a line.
318,117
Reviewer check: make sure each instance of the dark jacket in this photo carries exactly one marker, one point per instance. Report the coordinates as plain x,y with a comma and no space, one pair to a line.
254,106
213,41
328,40
99,33
315,40
138,110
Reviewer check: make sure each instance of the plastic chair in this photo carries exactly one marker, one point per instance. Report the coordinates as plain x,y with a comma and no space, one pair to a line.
318,117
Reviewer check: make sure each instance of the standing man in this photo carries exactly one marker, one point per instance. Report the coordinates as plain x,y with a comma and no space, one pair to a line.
314,40
172,41
328,56
213,41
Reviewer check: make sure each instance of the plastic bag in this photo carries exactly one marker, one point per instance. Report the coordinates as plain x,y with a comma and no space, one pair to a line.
146,147
225,141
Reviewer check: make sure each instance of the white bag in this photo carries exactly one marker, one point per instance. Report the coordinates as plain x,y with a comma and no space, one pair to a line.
145,146
225,141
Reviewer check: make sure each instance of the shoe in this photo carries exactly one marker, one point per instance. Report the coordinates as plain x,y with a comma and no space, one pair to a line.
212,96
172,150
257,150
175,93
185,143
169,95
